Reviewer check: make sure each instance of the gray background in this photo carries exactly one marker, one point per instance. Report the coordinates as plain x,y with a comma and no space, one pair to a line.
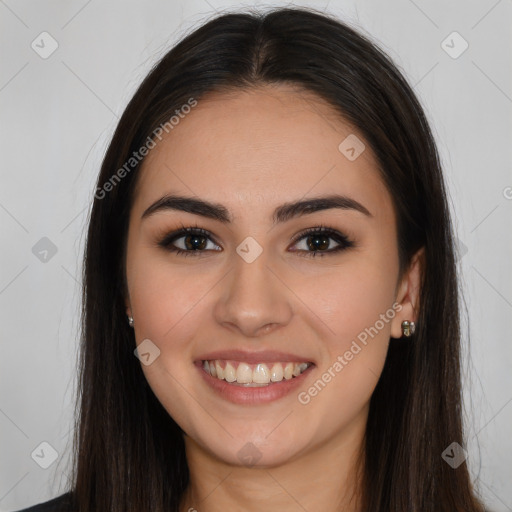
58,114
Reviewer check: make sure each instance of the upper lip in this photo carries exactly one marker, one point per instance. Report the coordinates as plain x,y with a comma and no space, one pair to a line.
270,356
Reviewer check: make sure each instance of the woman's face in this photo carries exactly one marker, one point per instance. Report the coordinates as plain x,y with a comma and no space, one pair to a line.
254,292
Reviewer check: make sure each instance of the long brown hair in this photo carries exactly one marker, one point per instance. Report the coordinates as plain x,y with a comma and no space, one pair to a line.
129,453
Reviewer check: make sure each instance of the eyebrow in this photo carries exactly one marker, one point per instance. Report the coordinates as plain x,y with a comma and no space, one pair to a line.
281,214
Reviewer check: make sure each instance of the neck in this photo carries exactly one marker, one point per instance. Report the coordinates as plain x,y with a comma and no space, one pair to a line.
324,478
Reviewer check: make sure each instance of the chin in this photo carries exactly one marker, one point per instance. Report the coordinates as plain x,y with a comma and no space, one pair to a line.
256,451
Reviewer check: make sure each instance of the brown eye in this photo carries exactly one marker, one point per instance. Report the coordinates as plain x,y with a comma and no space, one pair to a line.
194,242
318,241
191,240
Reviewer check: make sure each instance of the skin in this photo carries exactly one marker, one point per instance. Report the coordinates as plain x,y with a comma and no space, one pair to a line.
252,151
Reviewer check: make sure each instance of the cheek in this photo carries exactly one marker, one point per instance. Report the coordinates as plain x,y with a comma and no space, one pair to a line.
166,305
356,303
351,299
162,296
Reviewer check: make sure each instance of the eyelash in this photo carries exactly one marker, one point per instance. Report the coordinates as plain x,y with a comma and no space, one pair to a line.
343,241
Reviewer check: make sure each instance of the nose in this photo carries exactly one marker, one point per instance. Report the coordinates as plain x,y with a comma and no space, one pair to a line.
253,301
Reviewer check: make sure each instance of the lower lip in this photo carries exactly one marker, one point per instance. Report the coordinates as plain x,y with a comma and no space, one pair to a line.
253,395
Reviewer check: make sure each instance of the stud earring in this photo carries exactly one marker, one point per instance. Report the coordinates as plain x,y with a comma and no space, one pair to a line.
408,328
130,321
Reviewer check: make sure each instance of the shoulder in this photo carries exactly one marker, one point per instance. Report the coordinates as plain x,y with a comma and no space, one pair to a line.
58,504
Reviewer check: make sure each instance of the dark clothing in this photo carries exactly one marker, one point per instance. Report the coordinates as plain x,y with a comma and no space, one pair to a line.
59,504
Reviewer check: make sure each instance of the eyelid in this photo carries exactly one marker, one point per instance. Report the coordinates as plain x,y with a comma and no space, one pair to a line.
320,228
184,230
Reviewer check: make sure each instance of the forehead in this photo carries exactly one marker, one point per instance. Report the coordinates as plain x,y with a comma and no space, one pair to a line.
262,146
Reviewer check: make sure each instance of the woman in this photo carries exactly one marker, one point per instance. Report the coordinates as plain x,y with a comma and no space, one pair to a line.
270,295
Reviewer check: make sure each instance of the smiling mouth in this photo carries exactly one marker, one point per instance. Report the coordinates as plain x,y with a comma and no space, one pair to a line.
239,373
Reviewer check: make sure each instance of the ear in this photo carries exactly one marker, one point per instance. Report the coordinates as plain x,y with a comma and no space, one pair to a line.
408,293
127,304
123,289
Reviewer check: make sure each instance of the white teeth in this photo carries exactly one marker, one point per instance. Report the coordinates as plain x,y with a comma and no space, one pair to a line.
277,373
288,371
243,373
261,375
218,369
229,372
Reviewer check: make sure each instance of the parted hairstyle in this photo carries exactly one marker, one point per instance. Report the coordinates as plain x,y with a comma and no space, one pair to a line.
128,452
